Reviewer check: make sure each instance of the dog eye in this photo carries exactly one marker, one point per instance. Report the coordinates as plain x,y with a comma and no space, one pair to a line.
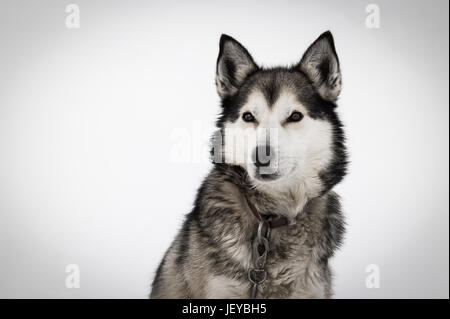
295,117
248,117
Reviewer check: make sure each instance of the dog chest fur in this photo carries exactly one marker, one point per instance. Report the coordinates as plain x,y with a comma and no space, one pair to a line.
212,254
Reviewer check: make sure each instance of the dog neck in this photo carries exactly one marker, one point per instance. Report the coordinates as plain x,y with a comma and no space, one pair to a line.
288,202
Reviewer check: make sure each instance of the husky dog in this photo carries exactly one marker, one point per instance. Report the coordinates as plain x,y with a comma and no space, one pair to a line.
291,178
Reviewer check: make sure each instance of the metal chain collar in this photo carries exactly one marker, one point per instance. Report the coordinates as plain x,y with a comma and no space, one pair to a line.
260,249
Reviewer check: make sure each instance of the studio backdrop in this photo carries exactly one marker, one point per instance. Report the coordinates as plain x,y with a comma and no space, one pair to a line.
107,109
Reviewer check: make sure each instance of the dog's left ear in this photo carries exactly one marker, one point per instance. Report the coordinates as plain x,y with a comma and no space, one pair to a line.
320,63
234,64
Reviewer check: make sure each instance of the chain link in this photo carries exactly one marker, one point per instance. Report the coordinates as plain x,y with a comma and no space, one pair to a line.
260,249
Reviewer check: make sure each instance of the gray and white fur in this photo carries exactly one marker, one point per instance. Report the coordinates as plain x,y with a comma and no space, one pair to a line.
211,255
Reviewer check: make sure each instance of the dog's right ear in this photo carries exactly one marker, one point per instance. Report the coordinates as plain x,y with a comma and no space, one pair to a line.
234,64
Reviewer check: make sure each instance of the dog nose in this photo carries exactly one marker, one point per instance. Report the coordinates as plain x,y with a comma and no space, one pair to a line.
262,156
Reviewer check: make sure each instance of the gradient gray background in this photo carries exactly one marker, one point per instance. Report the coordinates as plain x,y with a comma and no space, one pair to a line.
86,117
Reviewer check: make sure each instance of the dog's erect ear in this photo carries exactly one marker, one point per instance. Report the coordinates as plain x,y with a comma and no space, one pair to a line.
321,65
234,64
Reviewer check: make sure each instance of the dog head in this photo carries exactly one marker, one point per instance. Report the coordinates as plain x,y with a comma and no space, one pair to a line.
280,124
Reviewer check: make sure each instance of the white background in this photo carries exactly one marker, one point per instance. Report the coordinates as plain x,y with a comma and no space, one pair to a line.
87,118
